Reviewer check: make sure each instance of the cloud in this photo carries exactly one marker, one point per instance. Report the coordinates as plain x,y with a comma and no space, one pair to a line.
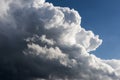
40,41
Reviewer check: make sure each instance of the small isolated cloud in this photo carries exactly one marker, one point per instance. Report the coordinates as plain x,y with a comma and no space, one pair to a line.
40,41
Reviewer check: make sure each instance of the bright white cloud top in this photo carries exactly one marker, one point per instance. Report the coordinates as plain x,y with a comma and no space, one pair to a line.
57,47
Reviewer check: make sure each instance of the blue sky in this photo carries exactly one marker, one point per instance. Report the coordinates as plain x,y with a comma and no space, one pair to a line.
103,18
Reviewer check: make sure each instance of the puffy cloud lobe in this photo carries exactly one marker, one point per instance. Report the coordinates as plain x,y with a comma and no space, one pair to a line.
88,40
40,41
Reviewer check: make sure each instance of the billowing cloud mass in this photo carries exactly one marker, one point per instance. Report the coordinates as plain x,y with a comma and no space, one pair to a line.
40,41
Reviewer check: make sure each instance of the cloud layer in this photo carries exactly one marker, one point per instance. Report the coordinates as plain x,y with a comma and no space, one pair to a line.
41,41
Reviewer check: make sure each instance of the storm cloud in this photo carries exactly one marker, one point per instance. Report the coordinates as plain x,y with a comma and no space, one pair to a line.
40,41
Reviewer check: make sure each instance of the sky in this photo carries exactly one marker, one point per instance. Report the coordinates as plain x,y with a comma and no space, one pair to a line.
102,17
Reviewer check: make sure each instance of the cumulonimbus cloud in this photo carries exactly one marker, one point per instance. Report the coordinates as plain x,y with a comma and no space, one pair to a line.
41,41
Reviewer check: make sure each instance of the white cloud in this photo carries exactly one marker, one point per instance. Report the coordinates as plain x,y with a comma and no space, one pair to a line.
55,44
45,40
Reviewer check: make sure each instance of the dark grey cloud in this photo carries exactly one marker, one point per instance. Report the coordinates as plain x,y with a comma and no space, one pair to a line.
39,41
